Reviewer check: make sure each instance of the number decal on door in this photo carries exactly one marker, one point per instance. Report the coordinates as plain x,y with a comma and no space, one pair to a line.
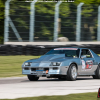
88,65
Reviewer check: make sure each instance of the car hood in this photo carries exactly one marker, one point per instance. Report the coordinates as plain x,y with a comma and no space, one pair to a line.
49,58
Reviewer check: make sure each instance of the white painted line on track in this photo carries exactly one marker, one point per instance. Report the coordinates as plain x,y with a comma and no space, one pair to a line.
46,87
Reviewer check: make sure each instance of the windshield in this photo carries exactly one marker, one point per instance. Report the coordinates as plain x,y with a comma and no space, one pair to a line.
67,52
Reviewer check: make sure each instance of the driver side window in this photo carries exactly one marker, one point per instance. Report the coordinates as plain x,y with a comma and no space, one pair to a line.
86,52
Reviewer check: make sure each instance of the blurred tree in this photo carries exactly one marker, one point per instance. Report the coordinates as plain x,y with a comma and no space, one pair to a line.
87,1
45,12
89,19
1,20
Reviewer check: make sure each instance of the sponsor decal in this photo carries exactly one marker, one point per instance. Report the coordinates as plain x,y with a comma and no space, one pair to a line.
88,65
83,64
66,49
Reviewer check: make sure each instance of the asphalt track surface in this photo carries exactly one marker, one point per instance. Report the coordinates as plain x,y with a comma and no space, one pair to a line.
19,87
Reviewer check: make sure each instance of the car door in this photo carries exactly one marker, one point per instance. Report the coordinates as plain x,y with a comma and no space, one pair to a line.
87,62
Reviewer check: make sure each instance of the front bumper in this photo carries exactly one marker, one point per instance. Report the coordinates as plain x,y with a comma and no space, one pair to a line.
40,71
45,71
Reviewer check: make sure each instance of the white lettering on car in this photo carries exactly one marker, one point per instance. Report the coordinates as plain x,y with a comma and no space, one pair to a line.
83,64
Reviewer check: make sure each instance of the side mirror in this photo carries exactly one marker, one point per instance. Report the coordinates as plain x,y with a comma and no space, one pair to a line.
83,56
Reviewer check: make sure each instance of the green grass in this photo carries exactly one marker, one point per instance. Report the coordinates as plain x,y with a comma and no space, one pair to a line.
81,96
11,65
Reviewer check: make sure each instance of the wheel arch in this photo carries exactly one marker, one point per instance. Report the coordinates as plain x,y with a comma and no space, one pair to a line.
73,63
69,75
99,63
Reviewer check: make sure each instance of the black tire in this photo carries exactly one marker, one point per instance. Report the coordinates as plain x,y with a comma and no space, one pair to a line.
97,73
69,76
32,77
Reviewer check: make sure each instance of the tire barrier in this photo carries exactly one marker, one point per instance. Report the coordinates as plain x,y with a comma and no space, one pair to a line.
37,50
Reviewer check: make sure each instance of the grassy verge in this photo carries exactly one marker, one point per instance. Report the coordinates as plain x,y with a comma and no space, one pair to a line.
81,96
11,65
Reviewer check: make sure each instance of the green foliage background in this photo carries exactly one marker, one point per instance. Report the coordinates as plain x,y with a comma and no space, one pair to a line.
45,8
1,20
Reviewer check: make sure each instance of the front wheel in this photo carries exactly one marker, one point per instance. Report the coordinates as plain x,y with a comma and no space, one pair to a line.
72,73
97,73
32,77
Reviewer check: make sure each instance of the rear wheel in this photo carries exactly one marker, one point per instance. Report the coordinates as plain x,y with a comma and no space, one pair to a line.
32,77
97,73
72,73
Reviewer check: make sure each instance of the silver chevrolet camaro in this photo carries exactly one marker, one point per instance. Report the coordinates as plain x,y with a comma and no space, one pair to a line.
63,63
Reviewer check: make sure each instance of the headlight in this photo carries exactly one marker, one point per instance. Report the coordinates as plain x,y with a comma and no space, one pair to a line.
27,64
55,63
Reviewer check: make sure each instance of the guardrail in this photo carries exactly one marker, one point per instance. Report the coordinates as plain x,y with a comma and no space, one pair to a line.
40,49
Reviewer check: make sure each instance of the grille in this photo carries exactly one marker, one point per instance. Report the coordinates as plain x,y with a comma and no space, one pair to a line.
55,68
26,68
44,69
33,69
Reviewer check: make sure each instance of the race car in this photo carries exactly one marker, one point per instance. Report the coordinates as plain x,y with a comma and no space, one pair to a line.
63,63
